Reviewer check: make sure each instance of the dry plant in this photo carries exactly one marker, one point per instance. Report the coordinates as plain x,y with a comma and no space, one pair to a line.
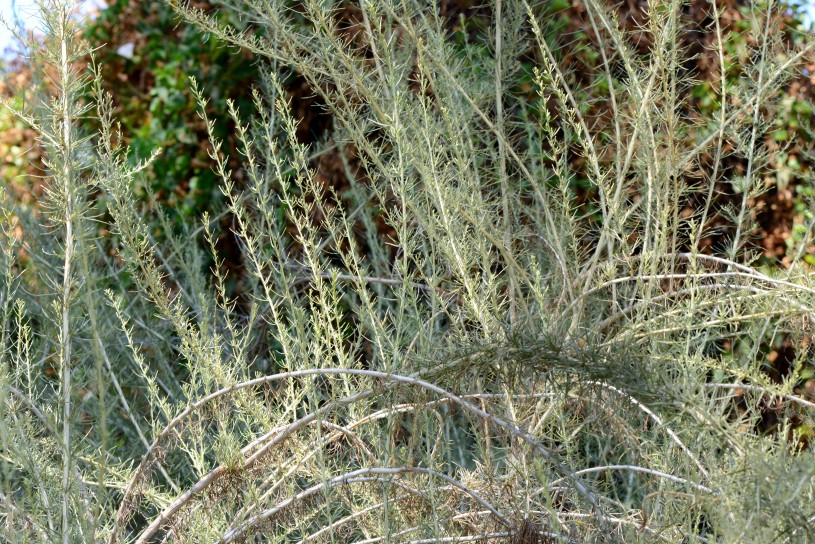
501,367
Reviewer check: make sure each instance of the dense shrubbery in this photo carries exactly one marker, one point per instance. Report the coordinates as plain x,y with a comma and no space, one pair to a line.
502,327
148,58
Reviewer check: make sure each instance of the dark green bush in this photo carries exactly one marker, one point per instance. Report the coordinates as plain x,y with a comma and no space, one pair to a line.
153,100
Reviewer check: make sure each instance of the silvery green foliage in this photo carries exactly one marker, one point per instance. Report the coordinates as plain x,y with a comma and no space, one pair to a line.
499,367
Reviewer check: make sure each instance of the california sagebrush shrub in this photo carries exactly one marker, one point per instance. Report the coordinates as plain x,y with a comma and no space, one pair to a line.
453,350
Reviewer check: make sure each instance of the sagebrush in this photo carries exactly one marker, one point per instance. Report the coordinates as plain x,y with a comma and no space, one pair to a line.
460,347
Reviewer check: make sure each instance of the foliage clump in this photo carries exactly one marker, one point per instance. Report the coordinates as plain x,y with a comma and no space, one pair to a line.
500,365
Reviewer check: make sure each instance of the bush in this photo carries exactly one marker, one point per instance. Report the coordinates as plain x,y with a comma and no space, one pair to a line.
153,102
455,349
